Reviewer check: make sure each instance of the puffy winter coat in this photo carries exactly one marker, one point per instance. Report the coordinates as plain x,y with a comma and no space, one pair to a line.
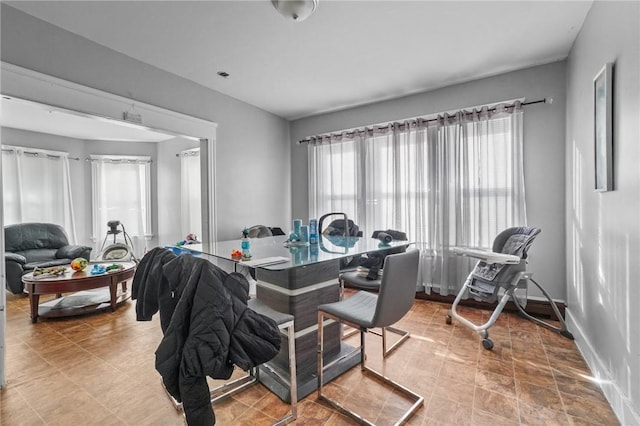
210,331
151,289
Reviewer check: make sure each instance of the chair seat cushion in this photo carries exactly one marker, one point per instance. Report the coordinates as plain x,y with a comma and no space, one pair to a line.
38,255
354,279
259,307
357,309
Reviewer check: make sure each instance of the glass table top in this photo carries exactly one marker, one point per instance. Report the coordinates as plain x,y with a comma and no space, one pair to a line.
273,254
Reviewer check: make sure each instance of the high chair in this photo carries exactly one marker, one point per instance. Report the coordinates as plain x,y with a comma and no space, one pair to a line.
503,268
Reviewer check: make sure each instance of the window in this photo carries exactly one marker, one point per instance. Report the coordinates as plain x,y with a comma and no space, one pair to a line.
334,174
121,191
190,187
450,181
37,187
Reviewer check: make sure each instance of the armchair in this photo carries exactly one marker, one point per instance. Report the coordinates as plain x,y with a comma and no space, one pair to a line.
36,245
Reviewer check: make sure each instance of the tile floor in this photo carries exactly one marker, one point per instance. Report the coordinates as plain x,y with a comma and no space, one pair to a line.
99,370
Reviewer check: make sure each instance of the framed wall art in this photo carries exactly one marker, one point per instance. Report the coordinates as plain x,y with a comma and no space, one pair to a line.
603,128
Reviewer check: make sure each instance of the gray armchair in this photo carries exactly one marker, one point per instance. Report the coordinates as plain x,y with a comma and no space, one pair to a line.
36,245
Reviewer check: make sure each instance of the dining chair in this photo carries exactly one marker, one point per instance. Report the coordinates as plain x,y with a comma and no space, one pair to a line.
365,311
232,387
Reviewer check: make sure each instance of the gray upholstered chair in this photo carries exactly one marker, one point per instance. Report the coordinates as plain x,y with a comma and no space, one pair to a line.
355,278
285,322
259,231
365,311
232,387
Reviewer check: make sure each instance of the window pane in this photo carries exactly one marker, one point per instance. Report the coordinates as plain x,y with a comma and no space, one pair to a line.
121,186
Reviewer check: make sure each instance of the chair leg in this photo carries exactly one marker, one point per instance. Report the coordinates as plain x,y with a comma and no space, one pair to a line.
177,405
418,400
251,378
293,382
348,333
353,331
562,330
223,391
233,387
404,335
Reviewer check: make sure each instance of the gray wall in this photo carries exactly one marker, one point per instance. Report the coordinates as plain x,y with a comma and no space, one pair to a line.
543,150
603,229
252,149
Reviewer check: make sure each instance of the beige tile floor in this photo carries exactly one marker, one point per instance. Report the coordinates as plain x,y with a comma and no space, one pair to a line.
99,370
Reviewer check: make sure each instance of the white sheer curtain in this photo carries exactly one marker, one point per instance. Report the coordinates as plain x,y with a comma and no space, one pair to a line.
335,176
456,180
37,188
191,206
121,191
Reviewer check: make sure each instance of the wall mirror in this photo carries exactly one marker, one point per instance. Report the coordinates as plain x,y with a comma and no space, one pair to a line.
28,85
31,128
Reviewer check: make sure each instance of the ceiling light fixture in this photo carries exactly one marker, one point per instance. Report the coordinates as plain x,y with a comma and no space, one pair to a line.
296,10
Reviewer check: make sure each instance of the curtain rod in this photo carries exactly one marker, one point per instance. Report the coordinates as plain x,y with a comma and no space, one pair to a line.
355,130
188,154
37,154
118,160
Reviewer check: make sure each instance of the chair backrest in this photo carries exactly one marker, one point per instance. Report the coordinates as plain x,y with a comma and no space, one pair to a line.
344,227
259,231
31,236
515,240
397,288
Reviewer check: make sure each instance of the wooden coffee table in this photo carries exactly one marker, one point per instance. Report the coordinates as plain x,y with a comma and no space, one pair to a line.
77,281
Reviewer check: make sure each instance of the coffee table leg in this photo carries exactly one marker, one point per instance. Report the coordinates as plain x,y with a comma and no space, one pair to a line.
34,300
113,290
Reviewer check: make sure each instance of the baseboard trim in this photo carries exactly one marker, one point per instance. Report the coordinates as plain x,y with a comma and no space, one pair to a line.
534,307
620,404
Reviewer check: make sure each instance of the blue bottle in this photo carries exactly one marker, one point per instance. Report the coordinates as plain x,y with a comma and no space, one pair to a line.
245,244
297,224
313,231
313,252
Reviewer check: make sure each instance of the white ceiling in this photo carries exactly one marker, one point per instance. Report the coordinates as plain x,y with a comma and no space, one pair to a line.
348,53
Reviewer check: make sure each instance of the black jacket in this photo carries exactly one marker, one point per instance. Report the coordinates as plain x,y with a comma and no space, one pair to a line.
210,331
151,289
